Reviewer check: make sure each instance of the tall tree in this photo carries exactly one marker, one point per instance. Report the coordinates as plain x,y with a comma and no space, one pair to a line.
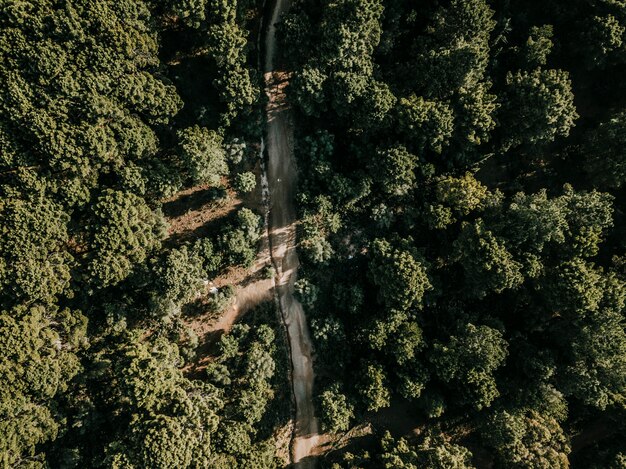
538,107
122,231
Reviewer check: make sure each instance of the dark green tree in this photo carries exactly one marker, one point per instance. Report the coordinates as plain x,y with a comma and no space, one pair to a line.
245,182
336,409
38,347
122,231
455,51
202,155
603,153
432,451
34,257
374,387
525,438
427,124
399,274
538,107
487,264
468,362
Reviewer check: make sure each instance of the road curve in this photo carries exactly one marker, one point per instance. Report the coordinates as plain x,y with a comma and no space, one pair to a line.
282,176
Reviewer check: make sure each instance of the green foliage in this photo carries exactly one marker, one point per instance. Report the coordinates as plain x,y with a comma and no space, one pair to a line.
318,223
150,98
454,53
603,41
573,288
432,141
250,223
151,415
38,350
588,215
342,69
433,404
539,107
432,451
574,221
235,83
525,438
336,410
245,182
78,99
239,239
179,278
374,388
239,250
173,417
463,195
533,221
202,155
352,31
399,274
330,334
456,197
455,269
487,264
375,106
191,12
595,371
294,33
211,259
88,147
475,114
469,360
407,341
428,124
34,264
604,156
219,301
306,292
252,354
534,53
122,231
308,90
236,150
395,170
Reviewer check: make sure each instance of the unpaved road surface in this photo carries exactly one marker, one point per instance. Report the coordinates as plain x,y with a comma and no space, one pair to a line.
282,175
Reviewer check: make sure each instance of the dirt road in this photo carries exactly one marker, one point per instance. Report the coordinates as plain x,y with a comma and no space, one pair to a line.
282,175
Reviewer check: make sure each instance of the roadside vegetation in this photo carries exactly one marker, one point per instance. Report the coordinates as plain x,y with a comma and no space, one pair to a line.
107,109
462,236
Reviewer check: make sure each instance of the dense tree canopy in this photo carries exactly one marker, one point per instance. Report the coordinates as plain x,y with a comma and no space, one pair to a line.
461,232
462,224
97,125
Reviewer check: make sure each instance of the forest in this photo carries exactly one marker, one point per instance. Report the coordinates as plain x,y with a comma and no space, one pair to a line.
102,118
462,172
460,231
